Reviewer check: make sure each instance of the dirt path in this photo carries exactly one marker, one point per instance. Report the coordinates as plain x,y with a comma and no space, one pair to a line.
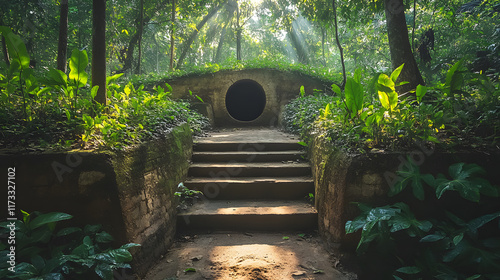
248,256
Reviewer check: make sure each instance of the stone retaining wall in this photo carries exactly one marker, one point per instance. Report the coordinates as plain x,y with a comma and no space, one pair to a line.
342,178
131,192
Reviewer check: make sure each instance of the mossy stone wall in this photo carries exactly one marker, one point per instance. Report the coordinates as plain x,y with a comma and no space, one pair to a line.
130,192
342,178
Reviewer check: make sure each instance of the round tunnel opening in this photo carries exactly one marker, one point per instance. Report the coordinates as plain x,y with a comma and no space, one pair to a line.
245,100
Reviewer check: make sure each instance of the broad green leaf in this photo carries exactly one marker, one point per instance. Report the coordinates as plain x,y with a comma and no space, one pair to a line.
68,231
103,237
354,96
455,252
475,224
49,218
104,271
130,245
92,229
409,270
336,89
355,225
433,237
395,74
25,271
420,92
465,182
77,65
26,216
57,78
304,144
457,239
38,262
454,79
16,47
302,91
93,92
120,255
169,87
113,78
386,92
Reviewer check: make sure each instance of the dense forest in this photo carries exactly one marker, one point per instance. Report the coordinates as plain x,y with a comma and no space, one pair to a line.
54,51
401,76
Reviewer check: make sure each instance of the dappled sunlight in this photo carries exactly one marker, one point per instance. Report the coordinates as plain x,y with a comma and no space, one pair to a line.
252,261
258,210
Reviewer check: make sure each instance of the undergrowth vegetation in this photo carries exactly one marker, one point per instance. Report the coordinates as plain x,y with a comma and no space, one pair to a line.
429,237
46,251
462,111
323,73
55,109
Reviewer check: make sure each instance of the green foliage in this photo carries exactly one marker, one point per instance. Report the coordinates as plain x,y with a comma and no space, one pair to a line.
466,182
186,196
46,251
58,109
300,113
370,114
378,223
445,246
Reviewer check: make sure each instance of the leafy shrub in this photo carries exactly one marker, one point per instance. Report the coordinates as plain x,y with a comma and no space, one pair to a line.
44,251
300,113
443,114
187,197
447,246
59,108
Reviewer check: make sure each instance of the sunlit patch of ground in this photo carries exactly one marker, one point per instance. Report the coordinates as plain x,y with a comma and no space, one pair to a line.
248,256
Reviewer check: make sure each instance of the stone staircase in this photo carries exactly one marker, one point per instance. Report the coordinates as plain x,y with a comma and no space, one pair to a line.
253,179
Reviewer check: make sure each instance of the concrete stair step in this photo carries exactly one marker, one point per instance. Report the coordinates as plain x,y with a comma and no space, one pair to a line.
253,187
248,156
249,215
285,145
264,169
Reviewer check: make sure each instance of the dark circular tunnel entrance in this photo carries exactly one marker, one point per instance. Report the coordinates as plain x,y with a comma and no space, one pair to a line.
245,100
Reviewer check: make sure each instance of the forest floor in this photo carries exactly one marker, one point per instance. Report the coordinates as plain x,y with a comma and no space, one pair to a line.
248,256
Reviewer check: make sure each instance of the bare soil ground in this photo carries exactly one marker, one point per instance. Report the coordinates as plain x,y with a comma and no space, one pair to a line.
248,256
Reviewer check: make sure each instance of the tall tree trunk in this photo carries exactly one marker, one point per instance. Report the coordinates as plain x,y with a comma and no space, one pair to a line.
62,50
299,47
341,50
238,32
140,30
130,53
172,37
399,45
99,49
199,26
5,52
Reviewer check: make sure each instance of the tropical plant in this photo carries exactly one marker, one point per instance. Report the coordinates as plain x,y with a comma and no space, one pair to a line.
445,246
186,196
44,250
